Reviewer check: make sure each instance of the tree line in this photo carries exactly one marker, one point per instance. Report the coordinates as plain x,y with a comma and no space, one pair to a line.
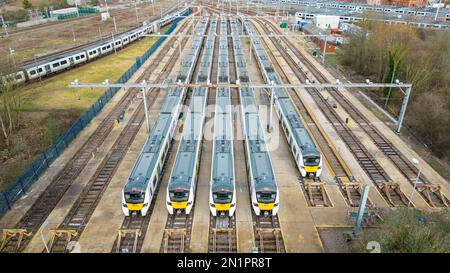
385,53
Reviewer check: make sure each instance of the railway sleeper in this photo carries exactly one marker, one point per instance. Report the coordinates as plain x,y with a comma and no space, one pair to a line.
57,236
171,236
13,236
317,194
123,233
272,240
222,232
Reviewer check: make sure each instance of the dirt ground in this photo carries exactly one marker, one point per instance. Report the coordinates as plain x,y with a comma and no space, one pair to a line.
44,40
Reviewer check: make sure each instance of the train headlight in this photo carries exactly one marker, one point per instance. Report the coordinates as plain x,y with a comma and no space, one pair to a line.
145,205
232,205
255,204
212,205
124,205
169,203
275,205
189,203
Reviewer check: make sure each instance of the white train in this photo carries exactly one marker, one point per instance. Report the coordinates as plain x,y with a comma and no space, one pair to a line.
222,194
66,60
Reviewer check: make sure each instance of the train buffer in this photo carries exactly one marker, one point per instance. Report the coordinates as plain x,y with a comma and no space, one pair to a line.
57,236
9,234
134,233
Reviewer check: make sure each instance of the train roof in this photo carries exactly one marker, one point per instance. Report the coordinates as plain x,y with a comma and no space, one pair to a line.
148,157
299,132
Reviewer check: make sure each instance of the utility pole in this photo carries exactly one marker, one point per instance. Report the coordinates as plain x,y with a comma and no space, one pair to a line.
73,34
269,123
114,43
5,26
76,5
115,25
362,207
153,7
324,49
415,162
137,16
11,52
145,107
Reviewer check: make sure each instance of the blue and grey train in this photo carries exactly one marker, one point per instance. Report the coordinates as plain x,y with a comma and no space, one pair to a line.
307,157
69,59
263,184
146,173
182,182
222,194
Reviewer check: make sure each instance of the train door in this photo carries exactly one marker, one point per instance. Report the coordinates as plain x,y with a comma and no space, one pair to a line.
71,61
47,68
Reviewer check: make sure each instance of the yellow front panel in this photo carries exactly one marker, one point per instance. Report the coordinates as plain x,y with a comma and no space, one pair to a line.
222,206
135,206
264,206
311,169
179,205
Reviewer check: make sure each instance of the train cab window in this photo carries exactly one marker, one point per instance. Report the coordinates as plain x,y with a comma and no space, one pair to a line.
134,197
311,160
266,197
222,197
179,196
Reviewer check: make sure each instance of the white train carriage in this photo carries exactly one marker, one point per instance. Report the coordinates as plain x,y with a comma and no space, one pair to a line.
264,192
143,181
304,151
222,193
57,63
181,189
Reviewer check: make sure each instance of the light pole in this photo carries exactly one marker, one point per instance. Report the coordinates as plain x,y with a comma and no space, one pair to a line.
437,11
153,7
115,25
11,52
106,4
416,162
269,123
76,6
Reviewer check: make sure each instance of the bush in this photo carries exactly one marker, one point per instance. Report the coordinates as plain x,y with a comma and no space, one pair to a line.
410,231
15,16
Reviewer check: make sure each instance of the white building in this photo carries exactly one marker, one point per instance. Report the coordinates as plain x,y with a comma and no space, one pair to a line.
326,21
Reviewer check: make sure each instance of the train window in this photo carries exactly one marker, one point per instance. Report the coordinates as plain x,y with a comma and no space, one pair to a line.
19,76
63,62
55,64
40,70
82,56
77,58
32,72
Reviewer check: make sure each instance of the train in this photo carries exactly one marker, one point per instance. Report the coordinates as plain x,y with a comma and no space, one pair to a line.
143,181
181,189
306,155
222,193
264,190
70,59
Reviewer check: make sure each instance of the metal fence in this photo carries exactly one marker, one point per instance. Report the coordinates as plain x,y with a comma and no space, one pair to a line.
43,161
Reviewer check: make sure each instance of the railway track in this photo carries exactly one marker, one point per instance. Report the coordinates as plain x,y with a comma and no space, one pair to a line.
431,193
89,17
314,190
267,232
81,212
48,200
388,189
222,229
134,227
